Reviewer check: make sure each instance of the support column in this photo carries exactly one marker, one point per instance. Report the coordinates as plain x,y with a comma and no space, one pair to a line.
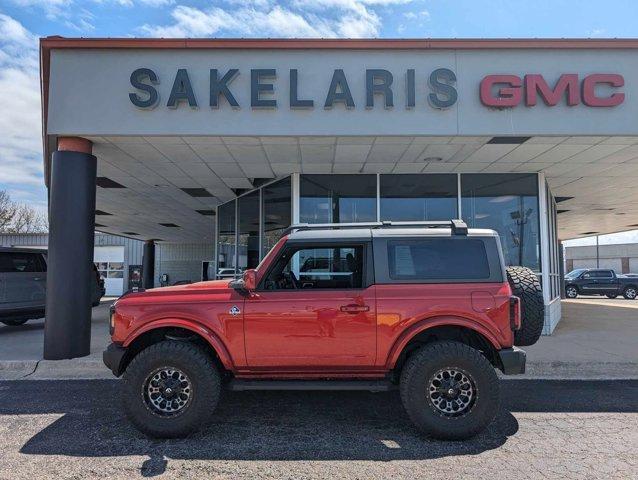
67,326
148,265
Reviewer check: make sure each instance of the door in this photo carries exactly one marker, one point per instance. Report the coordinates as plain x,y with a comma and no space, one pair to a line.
606,281
314,308
134,276
109,261
23,279
598,282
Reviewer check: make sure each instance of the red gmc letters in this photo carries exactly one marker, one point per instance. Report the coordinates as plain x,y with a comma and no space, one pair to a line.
510,90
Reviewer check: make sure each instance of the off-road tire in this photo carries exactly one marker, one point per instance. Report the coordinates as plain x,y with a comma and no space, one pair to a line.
204,377
14,322
525,285
416,376
626,293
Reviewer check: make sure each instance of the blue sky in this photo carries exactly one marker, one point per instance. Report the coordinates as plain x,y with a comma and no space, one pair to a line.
23,21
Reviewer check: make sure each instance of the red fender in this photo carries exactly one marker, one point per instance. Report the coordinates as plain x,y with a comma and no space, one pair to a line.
207,334
427,323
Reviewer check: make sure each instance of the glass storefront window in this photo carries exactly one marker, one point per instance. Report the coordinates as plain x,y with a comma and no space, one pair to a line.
338,198
276,199
248,240
507,203
419,197
226,238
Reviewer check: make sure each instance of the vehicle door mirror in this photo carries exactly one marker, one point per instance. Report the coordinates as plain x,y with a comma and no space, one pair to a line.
586,275
250,279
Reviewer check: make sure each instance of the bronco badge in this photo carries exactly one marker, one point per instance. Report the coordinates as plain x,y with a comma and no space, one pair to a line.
234,310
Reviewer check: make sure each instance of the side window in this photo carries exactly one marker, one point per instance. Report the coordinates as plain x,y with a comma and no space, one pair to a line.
6,264
339,267
601,274
42,263
437,259
23,262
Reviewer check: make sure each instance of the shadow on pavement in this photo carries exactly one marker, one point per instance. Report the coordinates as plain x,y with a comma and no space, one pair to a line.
285,425
31,325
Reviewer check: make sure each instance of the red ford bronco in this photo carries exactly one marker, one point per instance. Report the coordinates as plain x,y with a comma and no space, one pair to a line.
428,308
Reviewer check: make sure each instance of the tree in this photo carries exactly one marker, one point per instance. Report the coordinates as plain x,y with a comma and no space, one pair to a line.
20,218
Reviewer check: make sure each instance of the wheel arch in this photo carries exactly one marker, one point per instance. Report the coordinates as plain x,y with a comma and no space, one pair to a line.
176,329
572,285
444,328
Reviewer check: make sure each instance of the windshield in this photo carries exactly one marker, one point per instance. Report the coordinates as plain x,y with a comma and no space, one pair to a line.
575,273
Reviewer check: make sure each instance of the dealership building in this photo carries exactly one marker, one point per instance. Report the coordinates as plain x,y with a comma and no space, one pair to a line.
224,143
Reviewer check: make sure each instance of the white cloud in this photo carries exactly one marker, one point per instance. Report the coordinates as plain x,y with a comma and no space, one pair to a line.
263,18
20,124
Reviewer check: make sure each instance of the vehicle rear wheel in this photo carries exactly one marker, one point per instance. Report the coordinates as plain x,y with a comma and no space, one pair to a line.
449,390
571,291
630,293
171,389
525,285
615,295
14,322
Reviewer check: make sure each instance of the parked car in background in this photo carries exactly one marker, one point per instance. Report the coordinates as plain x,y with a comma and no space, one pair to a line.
599,281
228,272
23,288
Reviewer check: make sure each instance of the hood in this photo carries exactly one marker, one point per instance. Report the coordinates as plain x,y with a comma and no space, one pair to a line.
211,286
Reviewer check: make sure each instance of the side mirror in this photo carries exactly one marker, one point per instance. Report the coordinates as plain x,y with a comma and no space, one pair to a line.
250,279
247,283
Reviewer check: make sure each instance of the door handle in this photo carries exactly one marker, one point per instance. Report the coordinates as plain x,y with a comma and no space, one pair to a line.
354,308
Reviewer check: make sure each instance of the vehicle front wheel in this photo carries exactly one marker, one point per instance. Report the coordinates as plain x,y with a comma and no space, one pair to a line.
630,293
449,390
571,291
171,389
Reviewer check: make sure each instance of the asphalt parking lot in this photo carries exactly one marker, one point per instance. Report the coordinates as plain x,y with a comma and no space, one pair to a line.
546,429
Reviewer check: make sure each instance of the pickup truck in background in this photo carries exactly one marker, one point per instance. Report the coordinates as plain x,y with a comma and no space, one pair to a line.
595,281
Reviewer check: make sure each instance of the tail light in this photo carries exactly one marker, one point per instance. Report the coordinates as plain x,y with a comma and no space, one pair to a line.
515,313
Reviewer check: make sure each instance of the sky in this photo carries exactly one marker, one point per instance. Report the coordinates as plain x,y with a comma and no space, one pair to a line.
22,22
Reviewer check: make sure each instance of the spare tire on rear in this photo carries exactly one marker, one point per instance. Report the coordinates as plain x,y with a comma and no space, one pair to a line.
525,285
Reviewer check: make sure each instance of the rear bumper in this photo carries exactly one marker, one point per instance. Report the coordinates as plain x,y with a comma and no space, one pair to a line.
112,358
513,360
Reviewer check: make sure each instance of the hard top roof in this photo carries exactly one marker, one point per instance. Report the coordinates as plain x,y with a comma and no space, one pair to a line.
369,233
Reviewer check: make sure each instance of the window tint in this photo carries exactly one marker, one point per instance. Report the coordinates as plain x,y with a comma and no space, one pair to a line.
321,267
601,274
338,198
507,203
437,258
21,262
406,197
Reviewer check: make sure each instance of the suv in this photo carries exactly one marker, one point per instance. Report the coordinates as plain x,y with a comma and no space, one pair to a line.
428,308
595,281
23,288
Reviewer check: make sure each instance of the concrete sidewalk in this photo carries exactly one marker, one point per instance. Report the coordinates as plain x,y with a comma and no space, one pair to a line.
596,339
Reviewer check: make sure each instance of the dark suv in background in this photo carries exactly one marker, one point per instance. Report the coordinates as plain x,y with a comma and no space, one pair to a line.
23,287
598,281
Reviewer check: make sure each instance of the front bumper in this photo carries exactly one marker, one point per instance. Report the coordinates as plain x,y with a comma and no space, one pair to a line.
513,360
112,358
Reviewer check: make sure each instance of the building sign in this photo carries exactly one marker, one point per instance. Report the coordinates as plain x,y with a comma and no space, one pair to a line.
496,91
378,83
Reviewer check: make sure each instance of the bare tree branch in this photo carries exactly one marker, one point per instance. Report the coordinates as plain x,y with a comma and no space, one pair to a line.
20,218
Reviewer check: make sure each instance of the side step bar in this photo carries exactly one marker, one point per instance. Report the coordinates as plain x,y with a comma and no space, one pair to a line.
312,385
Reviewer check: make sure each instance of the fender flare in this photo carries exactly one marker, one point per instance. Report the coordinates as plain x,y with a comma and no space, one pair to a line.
207,334
438,321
